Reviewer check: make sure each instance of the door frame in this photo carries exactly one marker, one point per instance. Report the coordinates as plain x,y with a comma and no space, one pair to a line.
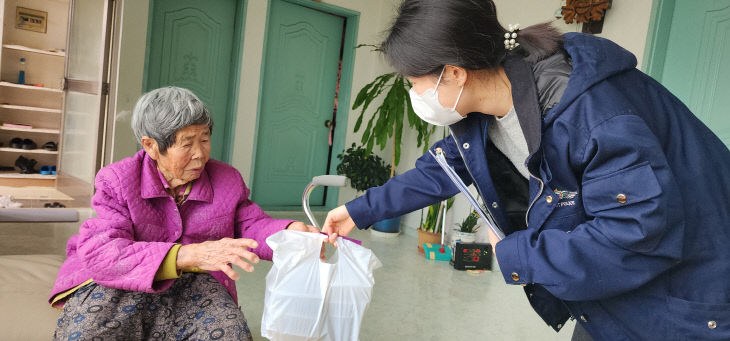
227,127
352,21
657,39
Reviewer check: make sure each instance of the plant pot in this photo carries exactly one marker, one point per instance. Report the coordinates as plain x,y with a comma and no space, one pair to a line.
463,237
391,225
427,237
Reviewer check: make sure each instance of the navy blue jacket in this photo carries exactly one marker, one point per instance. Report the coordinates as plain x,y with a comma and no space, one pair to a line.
628,225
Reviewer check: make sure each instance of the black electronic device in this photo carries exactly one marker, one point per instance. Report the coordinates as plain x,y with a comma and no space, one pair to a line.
472,256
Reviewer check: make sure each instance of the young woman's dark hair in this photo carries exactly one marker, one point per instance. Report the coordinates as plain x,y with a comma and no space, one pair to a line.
428,34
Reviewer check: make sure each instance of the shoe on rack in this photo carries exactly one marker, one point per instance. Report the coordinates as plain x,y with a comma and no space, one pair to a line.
50,146
29,144
26,166
16,143
45,170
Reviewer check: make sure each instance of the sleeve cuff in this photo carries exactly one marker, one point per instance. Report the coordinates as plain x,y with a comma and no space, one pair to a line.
360,213
510,263
168,268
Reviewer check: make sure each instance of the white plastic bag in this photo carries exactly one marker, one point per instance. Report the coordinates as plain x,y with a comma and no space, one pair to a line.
308,299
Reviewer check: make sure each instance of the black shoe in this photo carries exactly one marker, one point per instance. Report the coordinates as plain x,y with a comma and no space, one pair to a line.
51,146
55,204
16,143
29,144
25,165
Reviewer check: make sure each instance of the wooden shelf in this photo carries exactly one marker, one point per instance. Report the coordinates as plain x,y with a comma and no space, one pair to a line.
30,87
32,50
28,151
26,108
16,175
35,130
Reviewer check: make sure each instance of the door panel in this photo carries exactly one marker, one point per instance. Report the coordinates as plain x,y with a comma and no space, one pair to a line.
696,65
191,46
84,108
298,90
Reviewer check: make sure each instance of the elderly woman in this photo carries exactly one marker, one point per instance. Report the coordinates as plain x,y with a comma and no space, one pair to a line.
155,263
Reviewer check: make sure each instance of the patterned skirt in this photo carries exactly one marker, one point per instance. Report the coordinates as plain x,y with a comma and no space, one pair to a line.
196,307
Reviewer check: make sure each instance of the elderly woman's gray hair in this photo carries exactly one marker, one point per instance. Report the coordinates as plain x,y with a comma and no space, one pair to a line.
160,113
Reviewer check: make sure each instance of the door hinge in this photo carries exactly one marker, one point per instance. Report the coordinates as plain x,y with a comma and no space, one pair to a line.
104,88
64,84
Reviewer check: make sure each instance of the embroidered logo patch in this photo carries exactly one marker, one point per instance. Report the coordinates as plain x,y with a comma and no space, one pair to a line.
567,196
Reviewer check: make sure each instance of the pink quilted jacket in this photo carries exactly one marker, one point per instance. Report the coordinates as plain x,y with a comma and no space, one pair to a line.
138,222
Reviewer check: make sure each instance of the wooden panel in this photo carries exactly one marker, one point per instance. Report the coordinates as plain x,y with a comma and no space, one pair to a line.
30,96
39,68
55,36
301,63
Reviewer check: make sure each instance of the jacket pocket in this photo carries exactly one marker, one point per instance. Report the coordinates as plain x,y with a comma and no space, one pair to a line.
699,321
625,187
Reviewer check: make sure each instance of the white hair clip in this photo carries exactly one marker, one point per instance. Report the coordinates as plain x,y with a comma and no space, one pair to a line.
510,37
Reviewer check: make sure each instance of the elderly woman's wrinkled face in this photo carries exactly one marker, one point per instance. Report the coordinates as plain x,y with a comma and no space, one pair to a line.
183,161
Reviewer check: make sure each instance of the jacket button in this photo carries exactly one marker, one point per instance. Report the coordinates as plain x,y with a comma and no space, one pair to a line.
515,277
583,318
465,145
495,205
560,325
621,198
711,324
549,199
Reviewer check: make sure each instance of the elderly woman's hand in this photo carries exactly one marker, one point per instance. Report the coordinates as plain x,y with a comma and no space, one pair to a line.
300,226
216,255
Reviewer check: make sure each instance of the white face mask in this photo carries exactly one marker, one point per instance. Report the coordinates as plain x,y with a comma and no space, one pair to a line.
429,109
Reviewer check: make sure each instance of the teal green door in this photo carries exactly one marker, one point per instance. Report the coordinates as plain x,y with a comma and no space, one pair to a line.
697,64
192,44
301,60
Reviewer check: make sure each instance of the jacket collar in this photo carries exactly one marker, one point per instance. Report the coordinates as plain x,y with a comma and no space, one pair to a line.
525,99
152,186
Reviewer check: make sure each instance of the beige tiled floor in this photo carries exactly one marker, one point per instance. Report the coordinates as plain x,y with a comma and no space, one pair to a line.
417,299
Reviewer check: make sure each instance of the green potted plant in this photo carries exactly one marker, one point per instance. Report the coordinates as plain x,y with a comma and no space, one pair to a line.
466,230
385,123
429,230
365,170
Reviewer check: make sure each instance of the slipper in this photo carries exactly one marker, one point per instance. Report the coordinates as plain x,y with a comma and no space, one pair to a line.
51,146
16,143
29,144
53,170
45,170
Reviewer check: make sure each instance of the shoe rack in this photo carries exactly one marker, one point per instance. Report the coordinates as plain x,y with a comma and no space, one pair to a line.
32,111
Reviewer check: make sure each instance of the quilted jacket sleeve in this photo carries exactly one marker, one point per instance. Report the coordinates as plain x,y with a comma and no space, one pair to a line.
635,225
252,222
107,247
424,185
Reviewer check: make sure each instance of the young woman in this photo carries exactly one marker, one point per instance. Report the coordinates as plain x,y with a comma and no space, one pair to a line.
613,195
